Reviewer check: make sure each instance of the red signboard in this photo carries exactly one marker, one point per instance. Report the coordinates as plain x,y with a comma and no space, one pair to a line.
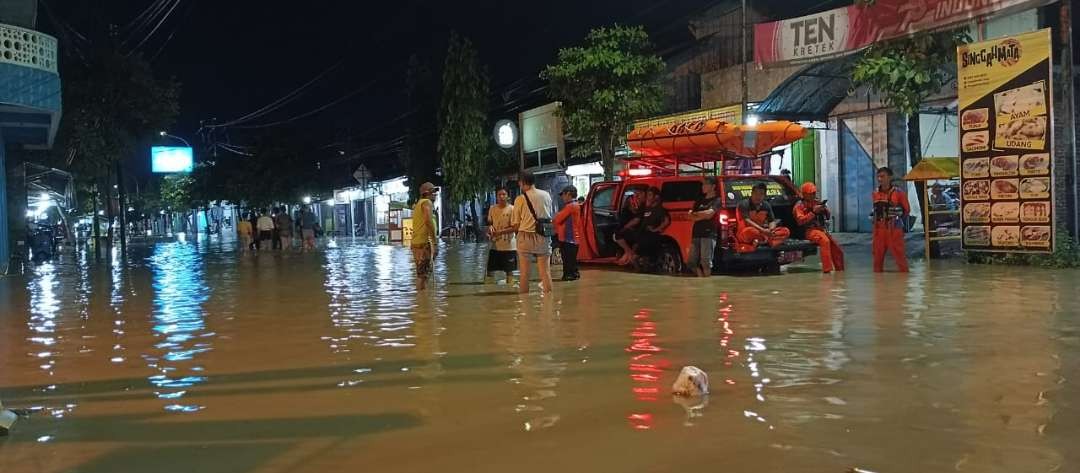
848,29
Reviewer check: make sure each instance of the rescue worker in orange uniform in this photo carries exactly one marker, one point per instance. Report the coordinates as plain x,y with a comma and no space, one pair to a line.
811,214
891,212
757,223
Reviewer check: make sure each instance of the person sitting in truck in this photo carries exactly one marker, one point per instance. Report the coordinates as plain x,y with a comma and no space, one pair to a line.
629,221
812,214
757,223
654,220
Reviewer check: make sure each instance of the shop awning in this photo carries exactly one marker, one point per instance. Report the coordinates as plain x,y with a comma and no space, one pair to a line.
811,93
932,169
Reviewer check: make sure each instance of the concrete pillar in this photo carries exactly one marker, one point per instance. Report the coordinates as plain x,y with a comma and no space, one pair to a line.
5,248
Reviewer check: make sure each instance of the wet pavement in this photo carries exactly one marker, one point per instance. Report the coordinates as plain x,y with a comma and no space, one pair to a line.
193,358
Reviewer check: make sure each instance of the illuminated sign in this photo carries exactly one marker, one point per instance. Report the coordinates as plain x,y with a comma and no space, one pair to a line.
171,159
506,134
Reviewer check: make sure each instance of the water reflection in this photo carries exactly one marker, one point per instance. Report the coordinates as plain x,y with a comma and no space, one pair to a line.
646,369
44,306
179,323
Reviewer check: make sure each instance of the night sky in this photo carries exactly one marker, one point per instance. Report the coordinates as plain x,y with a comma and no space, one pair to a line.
236,56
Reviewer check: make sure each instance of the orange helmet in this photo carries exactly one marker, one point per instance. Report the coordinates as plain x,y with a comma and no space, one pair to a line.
808,188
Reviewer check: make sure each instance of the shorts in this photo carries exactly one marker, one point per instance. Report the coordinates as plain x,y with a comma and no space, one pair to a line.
630,236
501,261
648,244
422,258
308,234
702,250
529,243
266,235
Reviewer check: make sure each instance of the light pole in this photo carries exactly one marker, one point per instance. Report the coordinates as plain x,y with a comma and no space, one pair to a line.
165,134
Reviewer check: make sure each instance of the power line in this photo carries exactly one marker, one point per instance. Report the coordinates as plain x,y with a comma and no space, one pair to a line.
279,102
156,27
141,23
187,13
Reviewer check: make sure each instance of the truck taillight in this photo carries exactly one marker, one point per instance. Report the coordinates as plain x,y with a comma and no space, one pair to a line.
724,219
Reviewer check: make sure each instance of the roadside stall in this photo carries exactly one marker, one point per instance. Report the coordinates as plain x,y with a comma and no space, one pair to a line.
941,214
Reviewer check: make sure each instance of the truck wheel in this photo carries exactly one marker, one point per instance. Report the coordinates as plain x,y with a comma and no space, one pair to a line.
670,260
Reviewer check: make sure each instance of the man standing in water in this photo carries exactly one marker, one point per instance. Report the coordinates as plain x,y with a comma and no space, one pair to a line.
703,242
891,212
531,215
424,246
307,228
285,227
568,228
503,254
265,225
245,232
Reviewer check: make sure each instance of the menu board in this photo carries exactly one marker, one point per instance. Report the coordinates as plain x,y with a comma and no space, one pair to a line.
1006,154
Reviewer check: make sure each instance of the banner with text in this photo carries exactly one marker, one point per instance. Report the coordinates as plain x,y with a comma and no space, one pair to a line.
848,29
1006,161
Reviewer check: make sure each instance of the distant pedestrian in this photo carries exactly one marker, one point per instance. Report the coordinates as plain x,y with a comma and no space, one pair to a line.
276,237
568,227
284,225
503,254
265,225
307,228
424,245
253,220
532,220
245,233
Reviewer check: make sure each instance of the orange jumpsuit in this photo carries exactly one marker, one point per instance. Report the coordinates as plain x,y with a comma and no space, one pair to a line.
749,238
832,256
889,208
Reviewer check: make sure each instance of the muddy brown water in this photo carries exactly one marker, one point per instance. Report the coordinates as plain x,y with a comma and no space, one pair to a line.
192,358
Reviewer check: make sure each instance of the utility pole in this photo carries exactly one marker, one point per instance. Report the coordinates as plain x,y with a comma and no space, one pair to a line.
745,65
1069,93
123,208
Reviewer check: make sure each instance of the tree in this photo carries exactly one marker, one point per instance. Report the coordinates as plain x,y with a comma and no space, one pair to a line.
420,152
605,85
906,72
463,138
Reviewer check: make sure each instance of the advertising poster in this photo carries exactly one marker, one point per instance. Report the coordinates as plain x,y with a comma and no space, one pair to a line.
1006,145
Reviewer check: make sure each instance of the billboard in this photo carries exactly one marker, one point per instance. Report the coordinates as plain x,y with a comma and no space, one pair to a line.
844,30
171,159
1006,153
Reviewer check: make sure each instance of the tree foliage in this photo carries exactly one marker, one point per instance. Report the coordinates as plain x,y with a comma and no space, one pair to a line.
280,169
606,84
463,136
907,71
420,153
111,102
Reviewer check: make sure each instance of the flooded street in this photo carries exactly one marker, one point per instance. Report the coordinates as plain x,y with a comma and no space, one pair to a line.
193,358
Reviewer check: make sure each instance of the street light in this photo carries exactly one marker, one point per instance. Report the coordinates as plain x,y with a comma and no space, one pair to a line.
307,200
165,134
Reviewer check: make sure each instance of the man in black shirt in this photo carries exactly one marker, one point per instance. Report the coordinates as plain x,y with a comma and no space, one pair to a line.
703,237
654,220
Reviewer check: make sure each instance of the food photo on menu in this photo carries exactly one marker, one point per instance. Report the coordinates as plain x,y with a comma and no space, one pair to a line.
1036,236
1021,102
975,141
977,236
977,190
1035,164
976,168
1027,133
977,213
1001,166
1035,188
1035,212
975,119
1006,212
1005,189
1005,236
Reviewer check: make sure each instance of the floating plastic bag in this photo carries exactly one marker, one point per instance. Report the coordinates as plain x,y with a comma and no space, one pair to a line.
692,381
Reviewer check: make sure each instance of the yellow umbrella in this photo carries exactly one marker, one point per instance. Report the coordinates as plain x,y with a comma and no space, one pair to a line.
931,169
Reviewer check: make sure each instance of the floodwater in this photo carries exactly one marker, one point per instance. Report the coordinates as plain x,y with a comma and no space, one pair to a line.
193,358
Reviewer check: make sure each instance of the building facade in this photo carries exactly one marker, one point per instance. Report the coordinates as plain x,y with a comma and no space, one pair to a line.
29,105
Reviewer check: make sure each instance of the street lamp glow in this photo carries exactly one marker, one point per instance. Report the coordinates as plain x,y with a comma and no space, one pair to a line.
753,120
162,133
307,200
